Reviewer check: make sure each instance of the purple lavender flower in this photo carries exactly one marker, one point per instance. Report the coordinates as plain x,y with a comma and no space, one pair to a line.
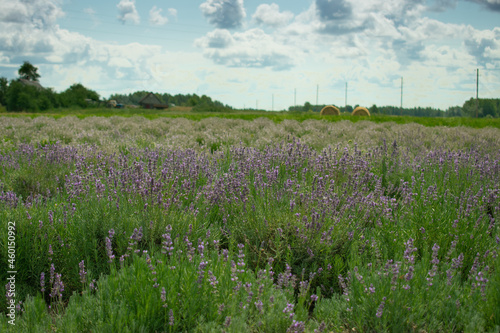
111,233
221,309
296,327
213,280
321,327
435,250
57,288
163,296
314,297
171,317
408,254
289,310
92,285
227,322
52,271
380,309
201,272
83,273
42,282
8,293
109,250
259,306
167,244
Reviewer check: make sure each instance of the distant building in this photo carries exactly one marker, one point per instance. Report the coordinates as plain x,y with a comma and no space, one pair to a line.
150,101
35,84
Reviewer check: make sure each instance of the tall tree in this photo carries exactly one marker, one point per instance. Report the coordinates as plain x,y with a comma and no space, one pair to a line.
4,84
28,72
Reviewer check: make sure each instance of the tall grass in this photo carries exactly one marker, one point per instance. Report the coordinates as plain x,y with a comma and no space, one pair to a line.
398,235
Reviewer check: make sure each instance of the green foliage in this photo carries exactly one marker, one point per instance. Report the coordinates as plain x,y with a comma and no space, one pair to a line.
76,95
483,107
200,103
4,84
28,72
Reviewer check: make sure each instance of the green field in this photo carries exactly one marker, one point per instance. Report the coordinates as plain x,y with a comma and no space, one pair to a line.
185,112
177,221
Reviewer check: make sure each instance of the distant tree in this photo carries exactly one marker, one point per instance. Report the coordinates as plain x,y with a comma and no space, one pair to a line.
28,72
76,95
307,107
4,85
373,109
21,97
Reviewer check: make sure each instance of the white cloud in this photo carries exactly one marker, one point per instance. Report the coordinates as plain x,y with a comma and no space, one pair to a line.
155,17
224,14
172,12
39,13
270,15
251,48
127,13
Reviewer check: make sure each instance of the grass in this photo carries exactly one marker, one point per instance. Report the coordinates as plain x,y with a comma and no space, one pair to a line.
277,117
398,235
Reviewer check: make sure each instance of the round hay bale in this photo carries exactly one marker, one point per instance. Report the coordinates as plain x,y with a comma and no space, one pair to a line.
330,110
361,111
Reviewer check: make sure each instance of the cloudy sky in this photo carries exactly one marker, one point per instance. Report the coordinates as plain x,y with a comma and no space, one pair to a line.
249,53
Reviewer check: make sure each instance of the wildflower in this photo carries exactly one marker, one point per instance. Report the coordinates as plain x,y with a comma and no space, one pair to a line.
343,285
213,280
92,285
314,297
52,271
380,309
171,317
109,250
83,273
163,296
227,322
371,289
457,263
321,327
42,282
111,233
8,294
201,272
167,244
296,327
259,306
408,254
289,309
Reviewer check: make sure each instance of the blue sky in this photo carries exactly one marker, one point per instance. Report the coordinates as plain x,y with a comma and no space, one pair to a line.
249,53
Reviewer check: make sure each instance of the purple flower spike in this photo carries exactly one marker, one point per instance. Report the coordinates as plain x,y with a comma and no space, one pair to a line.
42,282
83,273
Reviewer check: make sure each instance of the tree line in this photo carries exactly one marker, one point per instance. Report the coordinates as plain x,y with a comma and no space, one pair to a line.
483,107
26,94
199,103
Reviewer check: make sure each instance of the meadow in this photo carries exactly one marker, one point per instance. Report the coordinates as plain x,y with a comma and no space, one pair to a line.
249,224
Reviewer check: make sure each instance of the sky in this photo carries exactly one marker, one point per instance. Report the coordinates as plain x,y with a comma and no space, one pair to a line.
261,54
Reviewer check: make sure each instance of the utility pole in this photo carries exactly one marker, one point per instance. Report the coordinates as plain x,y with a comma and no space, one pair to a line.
346,97
401,96
477,91
317,93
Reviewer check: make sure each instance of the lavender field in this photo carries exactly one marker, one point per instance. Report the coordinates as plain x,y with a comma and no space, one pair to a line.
171,225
